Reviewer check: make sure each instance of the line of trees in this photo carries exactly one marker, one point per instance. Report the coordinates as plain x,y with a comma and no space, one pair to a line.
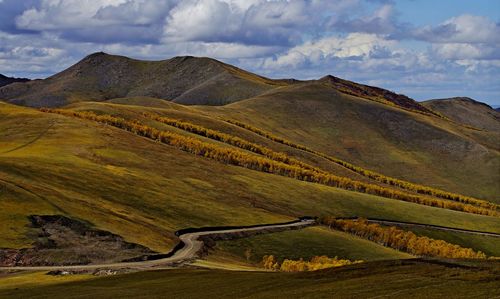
229,139
372,174
282,157
316,263
401,240
251,161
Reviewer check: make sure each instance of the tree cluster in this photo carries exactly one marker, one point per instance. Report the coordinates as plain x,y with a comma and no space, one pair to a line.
248,160
374,175
401,240
316,263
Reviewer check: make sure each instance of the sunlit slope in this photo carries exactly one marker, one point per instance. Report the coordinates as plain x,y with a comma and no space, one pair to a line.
423,149
144,191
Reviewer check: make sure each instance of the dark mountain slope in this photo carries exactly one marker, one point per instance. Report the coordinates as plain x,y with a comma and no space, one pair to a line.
8,80
186,80
374,93
467,111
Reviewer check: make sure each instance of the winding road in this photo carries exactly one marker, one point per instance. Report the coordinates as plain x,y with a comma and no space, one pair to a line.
192,246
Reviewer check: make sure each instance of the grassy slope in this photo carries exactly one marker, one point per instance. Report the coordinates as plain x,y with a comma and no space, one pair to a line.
467,111
384,279
489,245
144,191
306,243
402,144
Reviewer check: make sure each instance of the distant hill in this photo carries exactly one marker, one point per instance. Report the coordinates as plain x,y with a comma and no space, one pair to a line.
100,76
374,93
4,80
467,111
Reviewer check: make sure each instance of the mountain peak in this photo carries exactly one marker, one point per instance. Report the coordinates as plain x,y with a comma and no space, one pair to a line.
374,93
182,79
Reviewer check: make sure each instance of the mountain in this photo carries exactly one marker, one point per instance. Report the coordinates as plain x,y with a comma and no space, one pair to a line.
8,80
467,111
184,80
100,76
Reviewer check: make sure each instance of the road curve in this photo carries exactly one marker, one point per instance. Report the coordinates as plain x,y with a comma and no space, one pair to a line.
192,246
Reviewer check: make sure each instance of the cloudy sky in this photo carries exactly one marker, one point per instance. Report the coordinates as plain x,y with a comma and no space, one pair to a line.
425,48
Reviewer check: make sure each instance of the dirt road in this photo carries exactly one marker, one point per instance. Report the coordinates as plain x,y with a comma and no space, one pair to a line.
192,246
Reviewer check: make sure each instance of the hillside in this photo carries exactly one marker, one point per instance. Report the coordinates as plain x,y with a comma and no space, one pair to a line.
392,279
415,147
468,112
4,80
167,188
100,76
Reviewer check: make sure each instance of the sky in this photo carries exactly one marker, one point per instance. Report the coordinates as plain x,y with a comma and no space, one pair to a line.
422,48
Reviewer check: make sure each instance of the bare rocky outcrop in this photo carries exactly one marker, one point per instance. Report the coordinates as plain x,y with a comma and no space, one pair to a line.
59,240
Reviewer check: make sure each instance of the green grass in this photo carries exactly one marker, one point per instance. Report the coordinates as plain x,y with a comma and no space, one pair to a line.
410,279
489,245
306,243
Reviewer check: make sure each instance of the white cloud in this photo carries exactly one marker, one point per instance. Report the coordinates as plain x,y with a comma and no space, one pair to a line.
352,46
460,51
462,29
197,20
278,22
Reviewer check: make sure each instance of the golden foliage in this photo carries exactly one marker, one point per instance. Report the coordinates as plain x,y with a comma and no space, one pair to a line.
244,159
316,263
229,139
401,240
374,175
